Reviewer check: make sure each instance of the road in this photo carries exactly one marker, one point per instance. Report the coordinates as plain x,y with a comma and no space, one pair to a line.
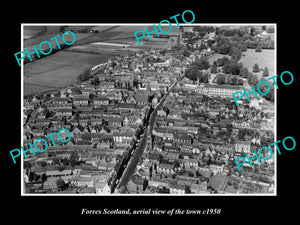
133,161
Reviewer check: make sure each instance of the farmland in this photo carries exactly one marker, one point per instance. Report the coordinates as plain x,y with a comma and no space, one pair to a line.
58,70
62,68
32,31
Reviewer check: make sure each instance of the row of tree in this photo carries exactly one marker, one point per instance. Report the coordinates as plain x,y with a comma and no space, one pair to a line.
196,70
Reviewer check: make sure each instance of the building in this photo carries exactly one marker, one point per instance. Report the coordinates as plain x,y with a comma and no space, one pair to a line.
218,90
242,146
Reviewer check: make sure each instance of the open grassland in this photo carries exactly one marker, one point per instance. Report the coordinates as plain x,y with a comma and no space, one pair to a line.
265,58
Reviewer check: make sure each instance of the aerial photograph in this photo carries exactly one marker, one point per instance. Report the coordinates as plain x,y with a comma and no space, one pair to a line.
122,114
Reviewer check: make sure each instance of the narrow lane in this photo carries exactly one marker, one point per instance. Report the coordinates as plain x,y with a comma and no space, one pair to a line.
138,151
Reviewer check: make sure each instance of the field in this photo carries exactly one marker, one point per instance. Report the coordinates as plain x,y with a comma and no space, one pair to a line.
63,67
58,70
31,31
265,58
50,31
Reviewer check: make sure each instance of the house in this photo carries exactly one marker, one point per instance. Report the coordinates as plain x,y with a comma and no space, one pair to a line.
165,167
60,101
64,112
84,181
190,163
240,124
177,189
121,137
156,181
242,146
171,149
54,171
126,107
216,168
99,100
199,188
106,85
81,100
218,90
141,99
102,188
115,122
182,138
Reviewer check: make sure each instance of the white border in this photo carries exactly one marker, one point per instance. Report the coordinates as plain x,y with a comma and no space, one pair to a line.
148,24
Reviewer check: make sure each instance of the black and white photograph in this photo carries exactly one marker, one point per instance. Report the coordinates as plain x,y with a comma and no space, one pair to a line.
149,115
145,112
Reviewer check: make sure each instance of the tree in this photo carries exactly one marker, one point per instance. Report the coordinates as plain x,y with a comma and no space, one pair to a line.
193,74
221,79
222,61
198,174
43,177
234,80
61,168
201,64
252,79
186,53
187,189
263,87
235,52
240,82
222,45
213,68
231,68
265,72
60,183
191,174
176,164
65,161
43,163
244,72
255,68
36,177
55,161
95,81
74,158
258,48
30,177
27,165
145,184
241,134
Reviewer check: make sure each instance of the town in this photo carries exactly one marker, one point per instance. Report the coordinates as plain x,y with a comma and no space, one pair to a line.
159,121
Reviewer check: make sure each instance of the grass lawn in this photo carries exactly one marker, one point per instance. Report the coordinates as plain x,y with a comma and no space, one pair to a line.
265,58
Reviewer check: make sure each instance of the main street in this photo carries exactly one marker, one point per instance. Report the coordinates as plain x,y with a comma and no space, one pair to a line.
138,151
